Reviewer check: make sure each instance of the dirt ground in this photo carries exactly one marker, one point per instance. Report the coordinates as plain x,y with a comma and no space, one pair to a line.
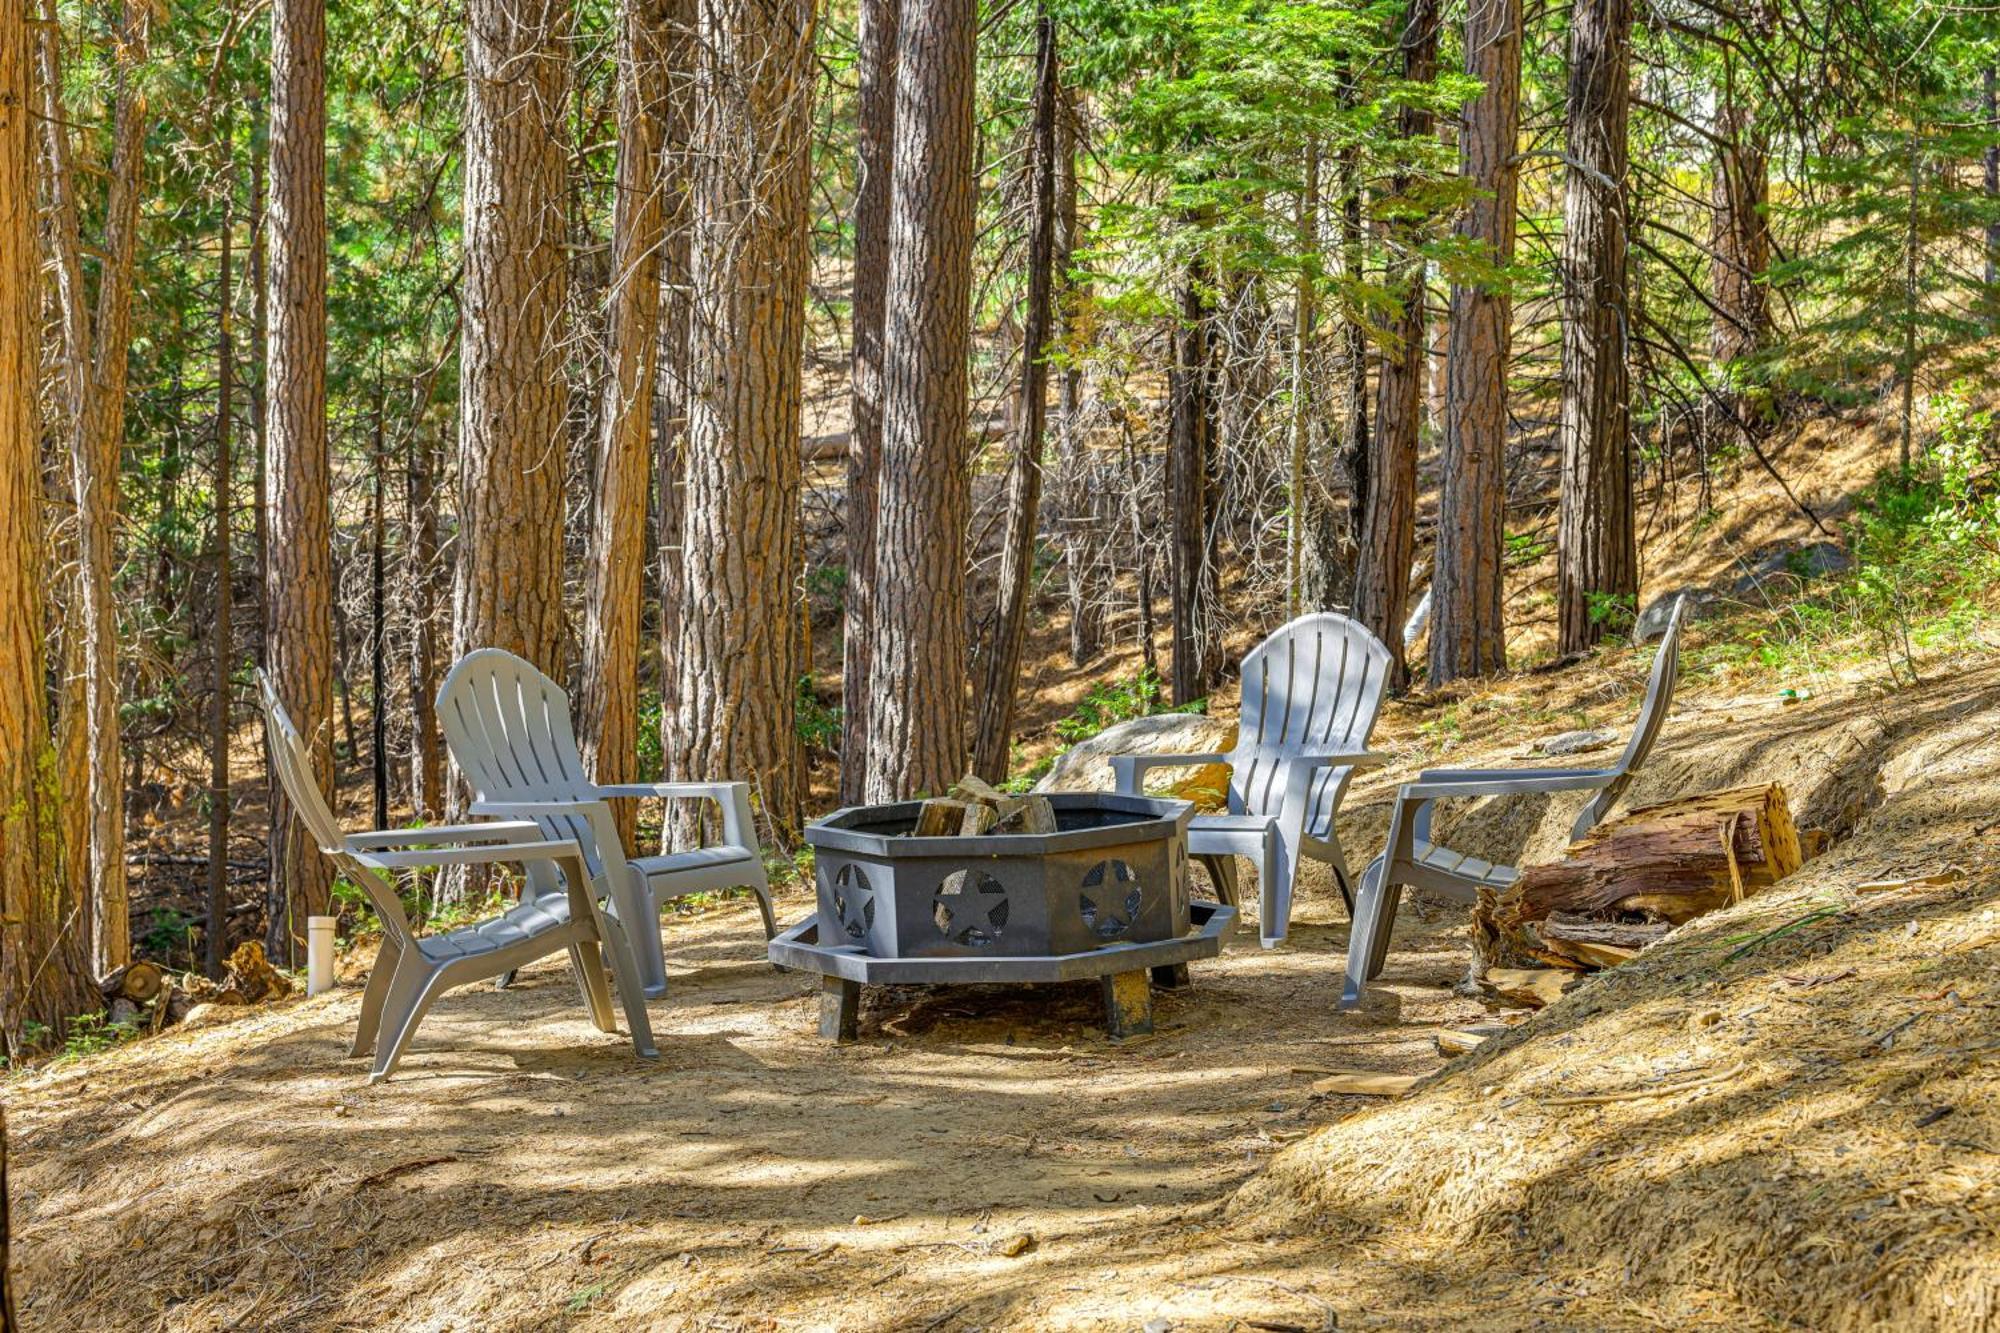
1803,1134
987,1158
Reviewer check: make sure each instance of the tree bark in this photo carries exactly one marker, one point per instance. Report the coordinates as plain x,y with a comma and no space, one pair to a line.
1195,649
739,660
1468,636
1000,677
1596,558
875,159
222,640
1740,242
916,667
513,394
675,349
43,961
1333,536
94,360
378,617
420,562
615,572
1389,523
1078,498
298,622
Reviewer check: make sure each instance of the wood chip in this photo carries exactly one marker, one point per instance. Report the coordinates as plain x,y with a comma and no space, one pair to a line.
1361,1084
1532,986
1949,875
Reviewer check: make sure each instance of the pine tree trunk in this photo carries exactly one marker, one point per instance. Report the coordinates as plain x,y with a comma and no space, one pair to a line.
1333,536
1389,520
670,395
1195,656
222,640
378,618
1596,559
513,395
1468,636
1297,489
298,614
421,589
875,159
738,657
916,666
615,571
1078,497
1000,677
94,365
1740,243
42,961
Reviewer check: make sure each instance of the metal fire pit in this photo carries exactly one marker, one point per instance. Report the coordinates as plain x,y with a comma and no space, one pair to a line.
1104,896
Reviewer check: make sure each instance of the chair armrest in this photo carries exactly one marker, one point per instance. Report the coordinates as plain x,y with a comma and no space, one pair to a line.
1130,769
1502,782
669,791
513,831
1342,758
559,850
739,828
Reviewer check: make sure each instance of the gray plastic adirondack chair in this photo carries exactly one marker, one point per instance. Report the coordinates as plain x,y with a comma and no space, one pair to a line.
508,727
411,971
1310,696
1412,858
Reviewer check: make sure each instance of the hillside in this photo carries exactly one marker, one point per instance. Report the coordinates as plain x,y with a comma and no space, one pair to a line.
1785,1115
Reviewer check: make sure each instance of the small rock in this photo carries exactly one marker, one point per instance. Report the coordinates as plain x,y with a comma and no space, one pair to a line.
1017,1245
209,1015
1158,1326
124,1013
1576,742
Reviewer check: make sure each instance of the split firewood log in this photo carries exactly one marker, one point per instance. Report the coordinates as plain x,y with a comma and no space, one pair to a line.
1672,861
137,981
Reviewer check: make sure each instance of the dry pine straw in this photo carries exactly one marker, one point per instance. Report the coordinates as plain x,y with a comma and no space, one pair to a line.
1802,1136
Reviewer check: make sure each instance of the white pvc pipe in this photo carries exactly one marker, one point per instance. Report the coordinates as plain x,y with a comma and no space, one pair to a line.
319,954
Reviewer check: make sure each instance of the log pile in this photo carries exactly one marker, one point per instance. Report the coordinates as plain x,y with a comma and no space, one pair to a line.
1622,886
973,807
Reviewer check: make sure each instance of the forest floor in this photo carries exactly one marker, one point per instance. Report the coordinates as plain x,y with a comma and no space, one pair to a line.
1786,1115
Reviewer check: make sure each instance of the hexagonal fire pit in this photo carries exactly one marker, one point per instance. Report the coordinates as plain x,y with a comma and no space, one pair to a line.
1104,896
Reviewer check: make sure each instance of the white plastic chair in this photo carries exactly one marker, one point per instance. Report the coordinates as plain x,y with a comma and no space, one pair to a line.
1411,858
509,729
411,971
1311,693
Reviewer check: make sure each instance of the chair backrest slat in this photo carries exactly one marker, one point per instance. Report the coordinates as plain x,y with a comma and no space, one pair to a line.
1314,684
1653,712
509,730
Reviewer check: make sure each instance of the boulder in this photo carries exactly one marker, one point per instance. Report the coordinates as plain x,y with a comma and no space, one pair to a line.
1087,765
1798,564
1652,622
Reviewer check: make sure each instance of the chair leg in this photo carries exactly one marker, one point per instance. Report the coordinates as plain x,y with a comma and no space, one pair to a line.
1274,892
634,905
410,994
618,948
588,965
506,979
1343,878
761,886
1222,873
1361,934
386,962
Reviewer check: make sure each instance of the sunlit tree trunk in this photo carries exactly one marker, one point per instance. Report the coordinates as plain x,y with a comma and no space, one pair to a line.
94,364
1468,637
614,577
42,961
1389,523
1001,668
1596,560
513,393
222,635
739,658
1740,242
298,613
670,397
917,691
875,158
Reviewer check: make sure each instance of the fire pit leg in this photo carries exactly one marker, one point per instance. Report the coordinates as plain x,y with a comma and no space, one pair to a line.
1128,1004
839,1008
1171,977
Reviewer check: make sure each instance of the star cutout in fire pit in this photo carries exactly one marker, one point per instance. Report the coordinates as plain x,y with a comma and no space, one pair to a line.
854,902
970,908
1112,918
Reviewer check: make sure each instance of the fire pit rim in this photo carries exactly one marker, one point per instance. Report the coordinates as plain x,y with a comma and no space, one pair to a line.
825,832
